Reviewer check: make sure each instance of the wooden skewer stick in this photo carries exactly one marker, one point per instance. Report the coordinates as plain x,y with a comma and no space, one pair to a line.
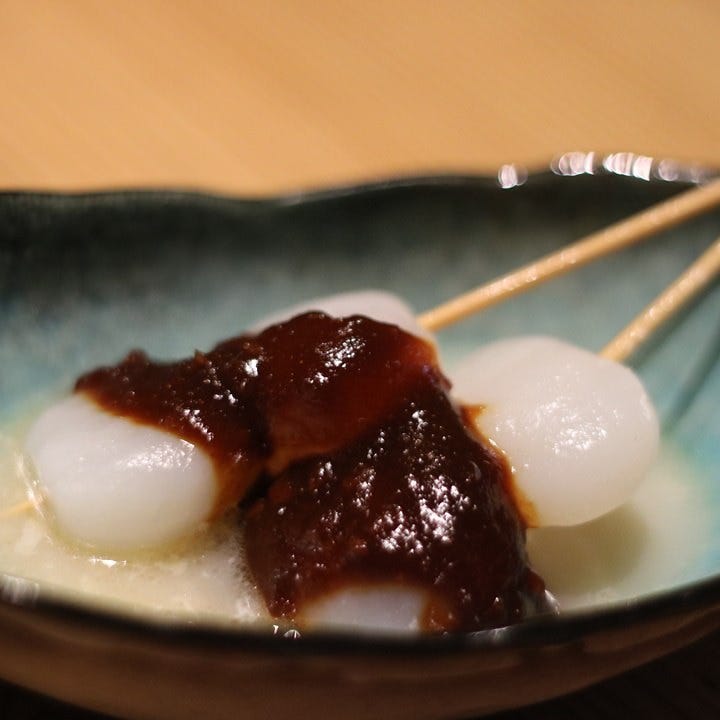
665,215
674,297
18,509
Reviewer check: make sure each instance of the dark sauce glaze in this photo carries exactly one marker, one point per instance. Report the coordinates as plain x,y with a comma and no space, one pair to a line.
417,502
256,404
355,466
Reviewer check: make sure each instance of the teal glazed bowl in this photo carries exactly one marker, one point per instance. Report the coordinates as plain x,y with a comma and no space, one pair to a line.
85,278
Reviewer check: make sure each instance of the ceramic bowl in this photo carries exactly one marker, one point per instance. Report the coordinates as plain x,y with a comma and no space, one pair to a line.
84,278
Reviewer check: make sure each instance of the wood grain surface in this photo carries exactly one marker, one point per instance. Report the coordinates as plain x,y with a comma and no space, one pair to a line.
260,97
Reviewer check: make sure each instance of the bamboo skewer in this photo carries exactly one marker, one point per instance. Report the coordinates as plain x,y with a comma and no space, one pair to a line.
665,305
17,509
615,237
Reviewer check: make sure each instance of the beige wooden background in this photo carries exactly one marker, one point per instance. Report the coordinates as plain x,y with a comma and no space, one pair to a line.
255,97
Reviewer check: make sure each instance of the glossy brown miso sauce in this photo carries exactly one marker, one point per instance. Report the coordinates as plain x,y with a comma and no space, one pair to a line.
258,403
355,466
417,502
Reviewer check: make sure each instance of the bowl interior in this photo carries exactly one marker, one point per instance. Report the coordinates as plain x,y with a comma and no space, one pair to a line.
86,278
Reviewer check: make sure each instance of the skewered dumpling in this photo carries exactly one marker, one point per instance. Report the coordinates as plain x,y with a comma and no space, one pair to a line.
578,430
115,479
375,304
112,482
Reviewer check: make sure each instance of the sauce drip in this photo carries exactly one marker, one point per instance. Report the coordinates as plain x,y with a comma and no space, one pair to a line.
353,463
